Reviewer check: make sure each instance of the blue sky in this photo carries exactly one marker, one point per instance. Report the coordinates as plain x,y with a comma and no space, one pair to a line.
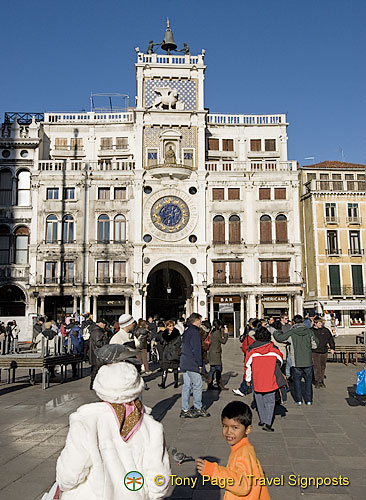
304,58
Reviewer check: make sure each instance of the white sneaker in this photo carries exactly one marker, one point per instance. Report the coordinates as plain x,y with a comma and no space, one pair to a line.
238,392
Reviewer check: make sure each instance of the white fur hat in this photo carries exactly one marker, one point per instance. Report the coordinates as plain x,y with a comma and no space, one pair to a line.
118,383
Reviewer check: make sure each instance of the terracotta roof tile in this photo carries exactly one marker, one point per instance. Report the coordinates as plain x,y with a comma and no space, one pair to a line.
335,164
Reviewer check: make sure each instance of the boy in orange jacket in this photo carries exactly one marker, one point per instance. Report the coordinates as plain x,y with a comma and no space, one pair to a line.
243,476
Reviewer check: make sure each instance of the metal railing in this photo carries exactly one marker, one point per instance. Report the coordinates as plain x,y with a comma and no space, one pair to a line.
330,219
354,220
355,251
333,251
346,291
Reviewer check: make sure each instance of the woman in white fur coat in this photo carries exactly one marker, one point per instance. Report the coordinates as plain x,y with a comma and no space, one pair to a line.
108,439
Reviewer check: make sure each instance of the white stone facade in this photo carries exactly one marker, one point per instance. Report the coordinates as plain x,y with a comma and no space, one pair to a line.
165,169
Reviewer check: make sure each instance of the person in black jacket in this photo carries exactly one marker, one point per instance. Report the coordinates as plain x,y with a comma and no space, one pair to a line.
171,341
98,338
320,354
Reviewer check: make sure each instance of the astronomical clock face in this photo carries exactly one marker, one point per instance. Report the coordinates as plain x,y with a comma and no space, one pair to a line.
170,214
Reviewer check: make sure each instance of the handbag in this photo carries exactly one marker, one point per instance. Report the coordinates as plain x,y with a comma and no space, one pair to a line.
361,383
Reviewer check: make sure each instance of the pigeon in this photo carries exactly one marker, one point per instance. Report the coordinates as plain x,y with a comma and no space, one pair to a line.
180,457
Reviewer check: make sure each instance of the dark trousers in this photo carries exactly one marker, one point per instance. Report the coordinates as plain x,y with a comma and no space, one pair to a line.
243,387
93,373
307,374
320,362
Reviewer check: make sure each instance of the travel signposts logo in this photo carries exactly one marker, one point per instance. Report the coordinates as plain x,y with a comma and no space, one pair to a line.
134,480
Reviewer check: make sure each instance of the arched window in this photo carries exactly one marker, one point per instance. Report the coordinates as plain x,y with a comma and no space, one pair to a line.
4,245
265,229
23,188
119,229
234,229
5,188
68,229
21,245
218,229
281,229
103,229
51,229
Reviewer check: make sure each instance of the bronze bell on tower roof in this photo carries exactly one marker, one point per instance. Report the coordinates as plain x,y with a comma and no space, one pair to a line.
168,42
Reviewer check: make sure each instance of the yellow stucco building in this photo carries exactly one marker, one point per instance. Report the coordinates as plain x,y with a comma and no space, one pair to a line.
333,212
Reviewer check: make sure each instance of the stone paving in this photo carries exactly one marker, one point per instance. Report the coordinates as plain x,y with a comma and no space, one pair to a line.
324,440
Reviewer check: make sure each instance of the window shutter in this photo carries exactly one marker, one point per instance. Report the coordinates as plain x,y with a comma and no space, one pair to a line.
266,271
255,145
213,144
334,280
234,231
106,143
264,193
357,280
228,145
235,272
122,142
280,193
218,193
281,231
270,144
219,272
266,231
219,231
234,193
283,271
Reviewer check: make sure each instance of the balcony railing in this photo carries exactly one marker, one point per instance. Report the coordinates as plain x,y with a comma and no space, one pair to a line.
235,279
50,280
104,279
355,251
119,279
219,281
267,279
250,166
354,220
13,272
91,117
346,291
280,280
221,119
91,166
333,252
340,185
330,219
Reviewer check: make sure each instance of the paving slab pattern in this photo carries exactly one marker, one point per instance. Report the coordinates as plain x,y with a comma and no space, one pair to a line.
327,439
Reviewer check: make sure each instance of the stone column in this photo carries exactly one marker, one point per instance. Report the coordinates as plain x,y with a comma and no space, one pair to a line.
136,304
41,312
127,304
242,319
86,304
290,307
260,313
251,306
95,308
212,314
75,304
298,304
143,298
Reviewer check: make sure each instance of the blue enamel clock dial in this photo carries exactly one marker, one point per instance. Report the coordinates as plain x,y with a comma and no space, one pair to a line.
170,214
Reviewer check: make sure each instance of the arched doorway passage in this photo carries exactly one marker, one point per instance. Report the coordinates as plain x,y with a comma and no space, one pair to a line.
169,289
12,301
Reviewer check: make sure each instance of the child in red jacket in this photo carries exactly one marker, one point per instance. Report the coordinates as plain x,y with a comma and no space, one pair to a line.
243,476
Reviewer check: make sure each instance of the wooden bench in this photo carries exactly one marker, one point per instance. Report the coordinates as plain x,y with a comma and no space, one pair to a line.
347,351
34,361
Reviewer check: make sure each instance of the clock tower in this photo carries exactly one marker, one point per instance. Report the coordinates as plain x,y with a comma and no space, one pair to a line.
170,169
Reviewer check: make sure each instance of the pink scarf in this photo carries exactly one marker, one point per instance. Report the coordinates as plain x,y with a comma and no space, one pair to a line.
129,417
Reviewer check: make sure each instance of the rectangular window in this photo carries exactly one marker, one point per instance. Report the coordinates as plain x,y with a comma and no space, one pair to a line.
119,272
120,193
337,182
357,318
69,193
52,193
280,193
354,243
255,145
234,193
332,240
357,280
76,143
334,280
67,272
324,182
310,176
213,144
104,194
330,211
61,143
122,142
264,193
21,249
106,143
361,182
50,272
352,211
235,272
218,193
283,275
219,272
270,144
103,272
266,271
228,144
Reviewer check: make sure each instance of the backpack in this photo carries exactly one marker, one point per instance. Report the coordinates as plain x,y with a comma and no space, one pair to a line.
207,342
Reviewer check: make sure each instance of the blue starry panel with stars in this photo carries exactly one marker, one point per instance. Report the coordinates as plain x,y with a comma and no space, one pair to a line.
187,91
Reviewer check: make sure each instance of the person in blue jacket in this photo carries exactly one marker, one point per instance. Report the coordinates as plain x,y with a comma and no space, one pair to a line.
191,363
77,343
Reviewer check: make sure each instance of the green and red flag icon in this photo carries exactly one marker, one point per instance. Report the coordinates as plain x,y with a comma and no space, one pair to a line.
134,480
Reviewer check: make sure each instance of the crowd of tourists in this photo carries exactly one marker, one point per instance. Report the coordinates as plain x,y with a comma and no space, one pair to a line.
108,439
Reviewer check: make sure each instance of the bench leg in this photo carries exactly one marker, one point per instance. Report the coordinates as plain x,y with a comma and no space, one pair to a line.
44,378
13,376
347,358
356,357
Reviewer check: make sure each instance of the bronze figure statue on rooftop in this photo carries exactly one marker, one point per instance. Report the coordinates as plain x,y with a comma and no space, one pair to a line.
150,48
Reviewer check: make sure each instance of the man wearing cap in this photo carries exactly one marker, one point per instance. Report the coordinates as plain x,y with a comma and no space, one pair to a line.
98,338
124,336
309,321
